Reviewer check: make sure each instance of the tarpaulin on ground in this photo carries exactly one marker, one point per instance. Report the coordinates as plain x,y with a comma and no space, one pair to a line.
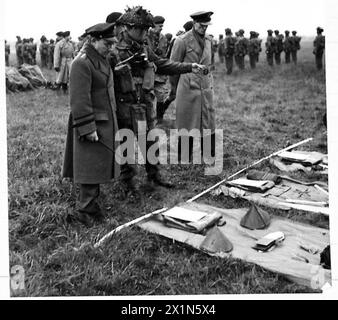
33,74
15,81
297,257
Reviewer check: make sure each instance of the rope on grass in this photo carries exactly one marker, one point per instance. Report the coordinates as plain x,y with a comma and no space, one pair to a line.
149,215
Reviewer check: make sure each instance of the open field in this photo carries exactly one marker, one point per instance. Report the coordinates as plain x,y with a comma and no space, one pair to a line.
260,111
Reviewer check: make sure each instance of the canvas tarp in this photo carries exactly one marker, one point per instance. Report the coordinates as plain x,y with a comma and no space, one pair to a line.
289,259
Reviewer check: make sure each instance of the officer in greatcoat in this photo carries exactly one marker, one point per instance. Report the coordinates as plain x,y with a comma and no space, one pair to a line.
90,147
194,92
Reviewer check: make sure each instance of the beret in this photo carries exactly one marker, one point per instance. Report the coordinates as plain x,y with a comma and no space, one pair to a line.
158,19
111,18
188,25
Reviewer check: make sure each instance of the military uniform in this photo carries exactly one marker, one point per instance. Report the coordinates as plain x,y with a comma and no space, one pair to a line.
50,58
278,47
63,57
19,51
134,86
43,49
7,53
229,50
287,44
221,49
319,47
241,49
295,41
254,48
26,52
158,44
93,109
270,48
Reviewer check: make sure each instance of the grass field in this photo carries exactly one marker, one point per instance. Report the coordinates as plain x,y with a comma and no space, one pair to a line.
260,111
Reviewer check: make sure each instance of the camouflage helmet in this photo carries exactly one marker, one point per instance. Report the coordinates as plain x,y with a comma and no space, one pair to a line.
137,17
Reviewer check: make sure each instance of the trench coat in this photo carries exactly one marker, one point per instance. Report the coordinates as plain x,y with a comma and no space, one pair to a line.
63,57
193,92
93,107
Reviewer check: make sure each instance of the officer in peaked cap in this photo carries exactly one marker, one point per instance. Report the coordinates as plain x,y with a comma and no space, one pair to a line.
89,160
202,17
188,25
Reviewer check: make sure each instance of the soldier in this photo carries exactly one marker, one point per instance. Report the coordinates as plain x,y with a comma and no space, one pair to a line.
287,46
63,57
194,93
114,18
221,48
214,47
187,26
241,49
51,47
92,124
278,47
134,64
158,44
33,49
7,53
59,36
19,51
295,41
229,50
270,47
43,49
254,47
26,51
319,46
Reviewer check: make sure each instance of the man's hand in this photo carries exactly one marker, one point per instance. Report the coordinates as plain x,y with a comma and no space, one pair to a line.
57,69
93,137
197,68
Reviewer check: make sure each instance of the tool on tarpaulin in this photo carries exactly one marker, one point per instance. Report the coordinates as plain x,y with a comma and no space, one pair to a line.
269,241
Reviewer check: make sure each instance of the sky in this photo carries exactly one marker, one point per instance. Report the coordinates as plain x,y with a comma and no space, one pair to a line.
36,17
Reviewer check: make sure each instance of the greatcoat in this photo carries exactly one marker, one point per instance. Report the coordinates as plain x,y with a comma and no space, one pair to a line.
194,92
93,107
63,57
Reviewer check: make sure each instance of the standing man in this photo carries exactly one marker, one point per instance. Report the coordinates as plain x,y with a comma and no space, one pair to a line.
279,47
134,65
26,51
270,47
158,44
18,50
254,47
287,44
241,49
92,124
51,47
221,48
43,49
194,92
295,41
229,50
319,46
63,57
7,53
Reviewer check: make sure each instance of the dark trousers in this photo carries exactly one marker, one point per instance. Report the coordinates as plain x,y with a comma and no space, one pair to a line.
87,201
269,58
191,145
287,57
319,60
221,58
253,60
294,56
240,62
229,63
7,60
277,57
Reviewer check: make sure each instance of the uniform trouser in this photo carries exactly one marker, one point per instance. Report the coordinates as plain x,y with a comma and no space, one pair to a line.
43,61
269,58
253,60
221,58
229,62
7,60
19,60
319,60
294,56
240,62
191,145
277,57
128,171
87,199
287,56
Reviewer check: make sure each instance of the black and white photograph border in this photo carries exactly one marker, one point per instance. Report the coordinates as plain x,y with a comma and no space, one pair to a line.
46,253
